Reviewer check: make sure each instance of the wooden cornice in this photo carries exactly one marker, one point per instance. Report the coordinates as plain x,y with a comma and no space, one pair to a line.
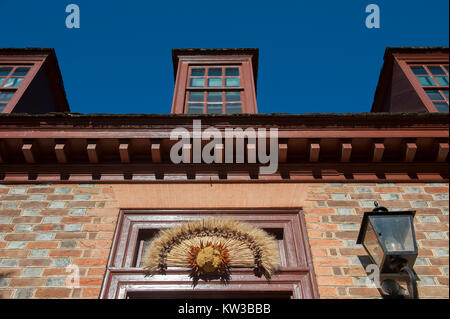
84,148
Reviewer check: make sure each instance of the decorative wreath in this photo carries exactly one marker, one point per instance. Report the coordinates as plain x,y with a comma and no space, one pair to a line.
211,247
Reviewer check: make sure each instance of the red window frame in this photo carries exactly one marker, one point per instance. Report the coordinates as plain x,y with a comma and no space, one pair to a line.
247,84
123,279
205,89
438,87
19,90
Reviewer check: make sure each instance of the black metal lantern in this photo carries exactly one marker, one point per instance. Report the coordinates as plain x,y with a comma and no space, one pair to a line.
390,241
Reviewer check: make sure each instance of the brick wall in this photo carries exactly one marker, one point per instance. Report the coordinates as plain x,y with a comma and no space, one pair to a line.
45,228
334,213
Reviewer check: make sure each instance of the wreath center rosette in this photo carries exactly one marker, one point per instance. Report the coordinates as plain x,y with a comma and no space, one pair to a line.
211,248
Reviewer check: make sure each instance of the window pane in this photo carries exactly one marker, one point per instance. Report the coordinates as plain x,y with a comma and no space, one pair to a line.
446,67
233,96
232,82
436,69
232,71
2,107
442,80
21,71
195,108
445,93
215,82
234,108
1,81
197,82
6,96
441,107
4,71
214,96
434,95
426,81
198,72
215,72
195,96
13,82
419,70
214,108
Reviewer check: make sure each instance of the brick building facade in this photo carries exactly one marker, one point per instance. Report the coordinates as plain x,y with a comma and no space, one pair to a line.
67,179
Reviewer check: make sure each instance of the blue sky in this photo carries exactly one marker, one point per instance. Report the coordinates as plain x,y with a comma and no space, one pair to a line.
315,56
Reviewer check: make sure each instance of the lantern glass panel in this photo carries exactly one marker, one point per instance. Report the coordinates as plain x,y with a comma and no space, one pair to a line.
394,232
373,245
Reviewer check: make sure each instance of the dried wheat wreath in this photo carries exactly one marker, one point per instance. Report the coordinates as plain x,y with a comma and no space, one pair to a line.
211,247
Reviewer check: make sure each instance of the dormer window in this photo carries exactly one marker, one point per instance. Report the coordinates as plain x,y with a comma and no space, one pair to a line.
10,79
30,82
434,80
210,81
214,90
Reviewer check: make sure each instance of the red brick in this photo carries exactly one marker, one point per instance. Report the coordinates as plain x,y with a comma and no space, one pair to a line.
55,272
94,243
340,189
10,212
6,228
55,212
42,244
417,197
436,190
91,292
325,243
33,205
27,282
427,271
41,190
75,220
103,212
350,234
86,190
20,237
13,253
364,292
334,280
70,235
319,211
60,197
104,235
322,226
96,271
365,196
81,204
10,272
342,203
90,261
27,220
441,292
47,227
91,281
434,243
439,261
38,262
53,292
14,197
65,253
330,261
327,291
397,190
